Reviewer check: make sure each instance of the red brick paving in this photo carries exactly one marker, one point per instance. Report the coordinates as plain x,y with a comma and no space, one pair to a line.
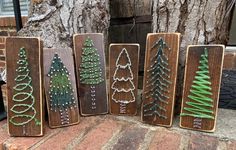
108,131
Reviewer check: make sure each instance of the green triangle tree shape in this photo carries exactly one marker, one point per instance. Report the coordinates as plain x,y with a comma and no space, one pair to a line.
158,82
90,67
61,91
24,101
200,104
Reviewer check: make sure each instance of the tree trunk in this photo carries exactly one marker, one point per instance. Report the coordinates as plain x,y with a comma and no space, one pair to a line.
55,21
198,21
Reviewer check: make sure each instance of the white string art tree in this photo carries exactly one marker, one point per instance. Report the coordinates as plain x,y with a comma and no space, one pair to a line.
123,85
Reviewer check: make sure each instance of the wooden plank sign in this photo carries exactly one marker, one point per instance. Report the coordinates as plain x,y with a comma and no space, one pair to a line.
24,86
202,79
160,75
123,75
60,88
90,69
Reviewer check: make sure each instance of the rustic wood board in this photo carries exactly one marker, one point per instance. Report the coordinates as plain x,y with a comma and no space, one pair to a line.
124,34
85,94
67,59
126,55
33,48
122,9
215,62
228,82
171,51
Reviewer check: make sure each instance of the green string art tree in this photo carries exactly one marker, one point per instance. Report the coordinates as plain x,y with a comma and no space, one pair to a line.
60,91
157,84
23,98
123,85
201,104
90,69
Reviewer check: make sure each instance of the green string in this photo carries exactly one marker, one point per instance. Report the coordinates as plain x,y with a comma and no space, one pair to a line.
23,94
157,83
61,91
201,105
90,67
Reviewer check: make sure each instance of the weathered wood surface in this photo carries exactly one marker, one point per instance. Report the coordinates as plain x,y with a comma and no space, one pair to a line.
215,62
130,8
172,52
85,97
34,54
67,59
128,33
117,52
228,83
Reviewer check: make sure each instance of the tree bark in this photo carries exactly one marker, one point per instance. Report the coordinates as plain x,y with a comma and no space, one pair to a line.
198,21
55,21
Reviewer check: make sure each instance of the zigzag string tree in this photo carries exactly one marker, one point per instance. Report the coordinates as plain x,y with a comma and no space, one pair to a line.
23,109
60,91
90,69
157,84
123,85
201,104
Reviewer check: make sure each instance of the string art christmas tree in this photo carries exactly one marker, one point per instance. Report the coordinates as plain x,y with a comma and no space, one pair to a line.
90,68
24,101
60,91
201,104
123,85
157,84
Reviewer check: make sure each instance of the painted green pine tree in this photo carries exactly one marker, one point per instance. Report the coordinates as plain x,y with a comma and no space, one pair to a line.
90,68
61,91
201,103
157,83
23,98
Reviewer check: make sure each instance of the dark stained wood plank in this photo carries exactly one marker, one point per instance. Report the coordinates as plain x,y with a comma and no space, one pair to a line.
93,97
123,76
122,9
166,46
143,8
142,30
215,62
25,126
228,83
57,116
229,60
122,34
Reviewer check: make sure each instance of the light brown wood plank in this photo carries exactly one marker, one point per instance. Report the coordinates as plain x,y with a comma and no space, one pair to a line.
67,59
33,48
87,105
123,102
215,62
171,51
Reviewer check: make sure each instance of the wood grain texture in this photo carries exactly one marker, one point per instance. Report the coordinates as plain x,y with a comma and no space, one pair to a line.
227,98
114,52
215,62
84,90
122,9
172,52
68,60
34,55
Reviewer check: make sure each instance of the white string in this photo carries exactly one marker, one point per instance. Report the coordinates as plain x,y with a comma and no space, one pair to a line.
127,66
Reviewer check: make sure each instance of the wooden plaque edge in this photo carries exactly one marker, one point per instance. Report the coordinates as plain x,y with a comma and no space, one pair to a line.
41,90
133,44
105,74
185,72
174,90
